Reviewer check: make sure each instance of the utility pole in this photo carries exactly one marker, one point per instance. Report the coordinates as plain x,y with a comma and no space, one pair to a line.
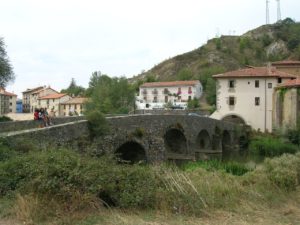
278,11
267,12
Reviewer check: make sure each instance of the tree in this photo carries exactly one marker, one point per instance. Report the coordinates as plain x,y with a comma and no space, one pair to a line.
211,91
74,89
6,70
110,95
185,74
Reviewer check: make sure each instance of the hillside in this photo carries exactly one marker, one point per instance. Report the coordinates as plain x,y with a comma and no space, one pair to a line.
257,47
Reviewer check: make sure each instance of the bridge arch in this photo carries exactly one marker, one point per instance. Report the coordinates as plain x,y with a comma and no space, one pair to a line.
175,140
226,141
234,118
203,140
131,152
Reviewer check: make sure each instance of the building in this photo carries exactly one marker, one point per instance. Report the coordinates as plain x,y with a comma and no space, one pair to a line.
286,108
19,108
38,94
288,66
27,98
73,107
7,102
53,102
246,95
157,94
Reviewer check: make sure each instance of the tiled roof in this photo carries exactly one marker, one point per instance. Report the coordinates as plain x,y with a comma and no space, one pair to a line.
286,62
290,83
52,96
33,89
40,90
2,91
171,83
256,72
76,101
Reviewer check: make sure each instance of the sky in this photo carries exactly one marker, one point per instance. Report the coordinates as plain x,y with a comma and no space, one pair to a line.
51,42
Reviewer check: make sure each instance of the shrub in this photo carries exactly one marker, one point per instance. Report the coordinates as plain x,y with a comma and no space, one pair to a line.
5,119
97,123
269,146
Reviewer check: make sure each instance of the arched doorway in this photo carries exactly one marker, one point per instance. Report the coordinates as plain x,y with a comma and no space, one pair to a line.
226,141
131,152
203,140
234,119
175,141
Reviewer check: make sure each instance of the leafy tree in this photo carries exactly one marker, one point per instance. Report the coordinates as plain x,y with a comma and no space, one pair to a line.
211,91
184,74
74,89
193,104
208,72
110,95
6,70
150,78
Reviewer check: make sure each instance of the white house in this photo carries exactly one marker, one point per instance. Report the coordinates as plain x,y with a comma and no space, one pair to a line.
7,102
246,95
157,94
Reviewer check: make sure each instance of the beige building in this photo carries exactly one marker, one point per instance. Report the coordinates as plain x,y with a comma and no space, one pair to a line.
157,94
53,102
7,102
35,95
286,108
288,66
27,99
247,95
73,107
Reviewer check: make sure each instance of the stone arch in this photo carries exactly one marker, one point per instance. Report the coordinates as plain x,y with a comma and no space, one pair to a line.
226,141
131,152
234,118
175,141
203,140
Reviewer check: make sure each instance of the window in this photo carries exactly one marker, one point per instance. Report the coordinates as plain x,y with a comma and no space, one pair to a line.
179,91
190,90
257,100
179,98
166,99
10,103
75,106
231,100
279,80
155,99
231,84
269,85
64,106
257,83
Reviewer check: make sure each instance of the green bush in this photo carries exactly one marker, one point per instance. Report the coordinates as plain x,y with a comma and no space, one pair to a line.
234,168
97,123
5,119
269,146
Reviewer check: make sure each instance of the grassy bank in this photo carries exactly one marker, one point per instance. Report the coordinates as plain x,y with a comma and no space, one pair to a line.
59,186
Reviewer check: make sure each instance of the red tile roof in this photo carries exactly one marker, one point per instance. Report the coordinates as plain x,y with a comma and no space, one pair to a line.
77,100
40,90
171,83
33,89
286,62
290,83
2,91
256,72
52,96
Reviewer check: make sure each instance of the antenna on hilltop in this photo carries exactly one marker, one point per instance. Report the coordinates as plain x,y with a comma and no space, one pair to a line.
278,11
267,12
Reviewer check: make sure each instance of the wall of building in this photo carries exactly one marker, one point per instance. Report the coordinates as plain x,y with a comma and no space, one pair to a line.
12,104
290,69
35,97
70,109
286,108
245,92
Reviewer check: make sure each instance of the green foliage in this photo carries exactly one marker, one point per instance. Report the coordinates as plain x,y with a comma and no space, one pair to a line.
234,168
193,104
244,43
168,105
138,132
6,70
266,40
218,43
211,94
110,95
184,74
150,78
270,146
97,123
5,119
206,74
74,90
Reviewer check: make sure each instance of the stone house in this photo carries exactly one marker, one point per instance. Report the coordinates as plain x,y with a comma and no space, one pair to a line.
27,99
38,94
286,108
246,95
7,102
53,102
288,66
157,94
74,106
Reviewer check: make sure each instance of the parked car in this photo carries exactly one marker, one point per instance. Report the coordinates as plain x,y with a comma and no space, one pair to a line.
177,107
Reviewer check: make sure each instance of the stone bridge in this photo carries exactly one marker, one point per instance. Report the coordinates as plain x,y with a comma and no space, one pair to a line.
150,138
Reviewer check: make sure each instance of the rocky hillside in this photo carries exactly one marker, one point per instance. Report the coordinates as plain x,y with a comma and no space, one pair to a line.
257,47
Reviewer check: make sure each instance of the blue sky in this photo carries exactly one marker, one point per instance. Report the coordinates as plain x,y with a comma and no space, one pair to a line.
49,42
